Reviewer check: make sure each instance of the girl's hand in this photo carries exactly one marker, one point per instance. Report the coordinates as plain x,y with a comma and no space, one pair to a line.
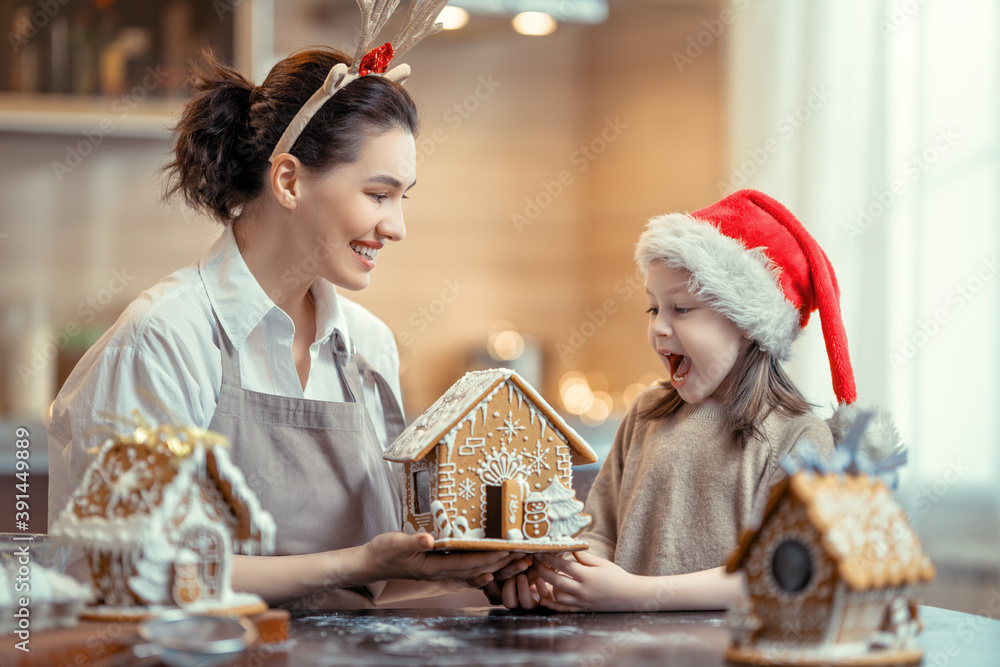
494,589
401,556
522,591
586,583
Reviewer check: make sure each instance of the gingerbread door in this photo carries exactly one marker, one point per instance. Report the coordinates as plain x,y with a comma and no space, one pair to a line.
208,544
504,508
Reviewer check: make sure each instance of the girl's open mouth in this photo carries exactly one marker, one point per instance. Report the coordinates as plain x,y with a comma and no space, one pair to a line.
680,366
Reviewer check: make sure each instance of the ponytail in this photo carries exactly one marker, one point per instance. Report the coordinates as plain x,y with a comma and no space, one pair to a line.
216,165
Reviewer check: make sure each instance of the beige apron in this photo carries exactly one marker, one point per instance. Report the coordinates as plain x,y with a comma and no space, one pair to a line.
316,466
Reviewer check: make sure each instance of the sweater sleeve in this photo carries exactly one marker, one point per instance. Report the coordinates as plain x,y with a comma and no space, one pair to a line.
604,497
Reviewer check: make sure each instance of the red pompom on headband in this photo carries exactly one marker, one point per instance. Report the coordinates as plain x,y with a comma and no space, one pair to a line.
377,60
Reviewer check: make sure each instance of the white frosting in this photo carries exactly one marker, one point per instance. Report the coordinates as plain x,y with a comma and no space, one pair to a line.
469,394
868,525
144,525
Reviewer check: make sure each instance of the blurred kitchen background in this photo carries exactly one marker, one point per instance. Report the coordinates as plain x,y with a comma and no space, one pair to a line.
548,139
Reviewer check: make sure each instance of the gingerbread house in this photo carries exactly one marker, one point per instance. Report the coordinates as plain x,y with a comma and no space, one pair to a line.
490,466
828,576
158,515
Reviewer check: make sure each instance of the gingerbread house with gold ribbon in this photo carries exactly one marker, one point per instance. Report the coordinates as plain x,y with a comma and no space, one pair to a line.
490,466
158,515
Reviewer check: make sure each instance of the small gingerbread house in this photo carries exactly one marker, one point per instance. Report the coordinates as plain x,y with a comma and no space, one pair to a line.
159,515
490,466
828,575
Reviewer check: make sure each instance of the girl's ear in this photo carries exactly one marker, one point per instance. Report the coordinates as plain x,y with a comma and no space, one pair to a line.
285,180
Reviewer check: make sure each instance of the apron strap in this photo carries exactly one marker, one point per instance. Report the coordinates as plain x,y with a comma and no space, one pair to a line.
352,367
348,367
391,411
230,360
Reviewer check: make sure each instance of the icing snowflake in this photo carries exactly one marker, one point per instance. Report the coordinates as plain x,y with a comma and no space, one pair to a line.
510,427
534,462
467,489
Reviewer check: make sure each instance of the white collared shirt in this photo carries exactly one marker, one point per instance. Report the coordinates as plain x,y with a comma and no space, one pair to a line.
163,357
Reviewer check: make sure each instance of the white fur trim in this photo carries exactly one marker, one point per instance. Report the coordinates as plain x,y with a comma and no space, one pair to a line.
879,441
738,282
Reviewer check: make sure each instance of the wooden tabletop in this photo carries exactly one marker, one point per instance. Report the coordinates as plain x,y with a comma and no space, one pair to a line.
484,636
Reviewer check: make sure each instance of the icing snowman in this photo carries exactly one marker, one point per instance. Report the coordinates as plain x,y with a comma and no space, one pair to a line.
536,519
187,586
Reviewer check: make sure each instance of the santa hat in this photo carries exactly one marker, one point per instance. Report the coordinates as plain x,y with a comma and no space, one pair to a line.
751,260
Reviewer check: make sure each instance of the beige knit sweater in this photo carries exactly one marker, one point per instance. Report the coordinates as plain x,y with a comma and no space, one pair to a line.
674,494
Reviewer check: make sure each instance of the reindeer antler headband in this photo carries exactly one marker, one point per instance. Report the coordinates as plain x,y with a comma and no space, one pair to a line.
419,23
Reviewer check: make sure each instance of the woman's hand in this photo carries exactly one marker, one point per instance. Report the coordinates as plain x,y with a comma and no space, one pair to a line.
401,556
585,583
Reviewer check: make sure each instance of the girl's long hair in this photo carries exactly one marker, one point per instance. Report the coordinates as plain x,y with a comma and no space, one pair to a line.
760,386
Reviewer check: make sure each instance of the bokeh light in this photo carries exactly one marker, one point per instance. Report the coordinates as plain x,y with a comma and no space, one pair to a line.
453,18
534,23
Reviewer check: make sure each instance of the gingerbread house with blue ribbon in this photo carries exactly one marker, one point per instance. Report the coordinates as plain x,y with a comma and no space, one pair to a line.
829,568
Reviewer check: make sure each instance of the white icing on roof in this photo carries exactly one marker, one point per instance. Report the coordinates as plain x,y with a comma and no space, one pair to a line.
442,421
861,526
867,531
134,517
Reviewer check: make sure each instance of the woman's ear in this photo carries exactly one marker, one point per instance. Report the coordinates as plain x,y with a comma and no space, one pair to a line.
285,180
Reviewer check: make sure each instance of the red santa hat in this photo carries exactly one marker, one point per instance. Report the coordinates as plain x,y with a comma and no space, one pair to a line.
753,261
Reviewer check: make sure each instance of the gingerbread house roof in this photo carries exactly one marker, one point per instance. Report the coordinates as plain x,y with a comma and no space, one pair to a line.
861,526
130,491
464,401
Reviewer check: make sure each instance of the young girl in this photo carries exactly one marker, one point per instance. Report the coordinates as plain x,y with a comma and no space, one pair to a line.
729,288
307,172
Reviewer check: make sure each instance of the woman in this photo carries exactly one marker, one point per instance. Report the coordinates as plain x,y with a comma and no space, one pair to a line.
254,342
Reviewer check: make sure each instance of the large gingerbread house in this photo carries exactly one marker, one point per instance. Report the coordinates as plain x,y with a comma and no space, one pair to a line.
158,515
490,466
828,576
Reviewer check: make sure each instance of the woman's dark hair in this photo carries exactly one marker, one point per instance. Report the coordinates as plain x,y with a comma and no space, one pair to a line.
229,128
760,387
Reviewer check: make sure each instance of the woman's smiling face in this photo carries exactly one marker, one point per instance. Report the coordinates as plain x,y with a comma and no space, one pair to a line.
351,211
698,346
